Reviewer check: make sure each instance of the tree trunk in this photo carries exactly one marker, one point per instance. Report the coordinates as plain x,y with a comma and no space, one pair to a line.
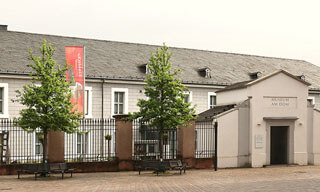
44,155
161,143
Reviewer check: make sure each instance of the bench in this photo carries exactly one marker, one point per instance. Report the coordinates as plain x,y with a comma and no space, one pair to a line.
37,169
177,165
60,168
159,166
149,165
33,169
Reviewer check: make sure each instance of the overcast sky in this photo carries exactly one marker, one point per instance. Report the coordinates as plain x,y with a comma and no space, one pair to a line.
276,28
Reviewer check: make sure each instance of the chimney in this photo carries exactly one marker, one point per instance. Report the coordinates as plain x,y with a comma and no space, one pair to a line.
3,27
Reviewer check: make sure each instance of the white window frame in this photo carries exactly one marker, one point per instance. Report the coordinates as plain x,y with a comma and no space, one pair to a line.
5,113
35,138
190,95
89,102
34,134
125,102
313,100
88,153
209,95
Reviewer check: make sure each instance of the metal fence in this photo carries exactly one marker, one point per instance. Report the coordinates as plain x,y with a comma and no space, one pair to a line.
17,145
96,143
146,142
205,139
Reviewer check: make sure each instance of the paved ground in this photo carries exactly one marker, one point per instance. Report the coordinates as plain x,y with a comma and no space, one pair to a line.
305,178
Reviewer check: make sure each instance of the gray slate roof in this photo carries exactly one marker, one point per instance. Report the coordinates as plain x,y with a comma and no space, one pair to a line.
245,84
216,110
119,60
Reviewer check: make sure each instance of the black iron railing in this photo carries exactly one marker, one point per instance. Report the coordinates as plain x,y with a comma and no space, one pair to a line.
146,142
204,139
17,145
95,143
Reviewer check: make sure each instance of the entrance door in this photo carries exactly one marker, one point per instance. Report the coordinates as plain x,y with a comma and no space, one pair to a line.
279,145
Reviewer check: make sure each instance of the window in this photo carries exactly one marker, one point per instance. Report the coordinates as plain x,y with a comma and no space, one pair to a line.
119,101
82,143
4,100
88,102
212,100
255,75
188,97
38,144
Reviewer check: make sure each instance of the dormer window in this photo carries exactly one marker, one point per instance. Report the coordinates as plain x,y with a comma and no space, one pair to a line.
144,69
255,75
205,72
302,77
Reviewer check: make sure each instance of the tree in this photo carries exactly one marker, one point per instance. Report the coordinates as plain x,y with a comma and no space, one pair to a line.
164,107
47,98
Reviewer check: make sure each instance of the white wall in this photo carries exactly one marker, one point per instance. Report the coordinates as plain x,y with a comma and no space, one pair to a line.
279,85
316,137
232,96
228,139
135,92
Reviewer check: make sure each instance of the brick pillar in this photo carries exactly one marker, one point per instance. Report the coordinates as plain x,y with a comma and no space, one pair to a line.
186,143
124,142
56,147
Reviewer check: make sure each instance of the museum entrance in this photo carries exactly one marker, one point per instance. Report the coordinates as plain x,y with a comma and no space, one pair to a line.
279,145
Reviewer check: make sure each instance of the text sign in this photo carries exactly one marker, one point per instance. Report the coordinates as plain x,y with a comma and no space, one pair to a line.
259,141
280,102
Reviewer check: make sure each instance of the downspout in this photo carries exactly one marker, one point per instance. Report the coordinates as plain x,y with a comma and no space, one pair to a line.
102,120
102,98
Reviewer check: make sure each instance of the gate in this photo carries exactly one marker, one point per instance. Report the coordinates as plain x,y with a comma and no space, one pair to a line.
206,140
146,142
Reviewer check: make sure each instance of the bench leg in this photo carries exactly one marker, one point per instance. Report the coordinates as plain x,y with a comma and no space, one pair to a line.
18,175
139,172
35,176
62,175
71,174
180,171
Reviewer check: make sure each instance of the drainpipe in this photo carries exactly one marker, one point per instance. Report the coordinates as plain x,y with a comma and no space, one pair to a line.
216,145
102,120
102,98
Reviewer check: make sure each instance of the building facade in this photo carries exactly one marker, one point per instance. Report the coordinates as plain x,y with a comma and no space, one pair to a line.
270,122
115,73
116,70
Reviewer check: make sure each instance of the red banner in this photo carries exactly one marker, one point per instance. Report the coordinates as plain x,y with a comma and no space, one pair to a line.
74,57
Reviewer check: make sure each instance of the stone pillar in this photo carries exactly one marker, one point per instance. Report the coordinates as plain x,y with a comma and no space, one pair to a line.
56,147
186,143
124,142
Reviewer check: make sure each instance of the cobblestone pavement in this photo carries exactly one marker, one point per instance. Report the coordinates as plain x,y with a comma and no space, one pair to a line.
299,178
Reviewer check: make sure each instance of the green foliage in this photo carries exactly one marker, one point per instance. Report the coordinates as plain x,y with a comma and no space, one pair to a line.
164,107
47,98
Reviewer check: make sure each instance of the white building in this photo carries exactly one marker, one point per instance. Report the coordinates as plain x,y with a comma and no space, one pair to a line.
269,121
114,82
